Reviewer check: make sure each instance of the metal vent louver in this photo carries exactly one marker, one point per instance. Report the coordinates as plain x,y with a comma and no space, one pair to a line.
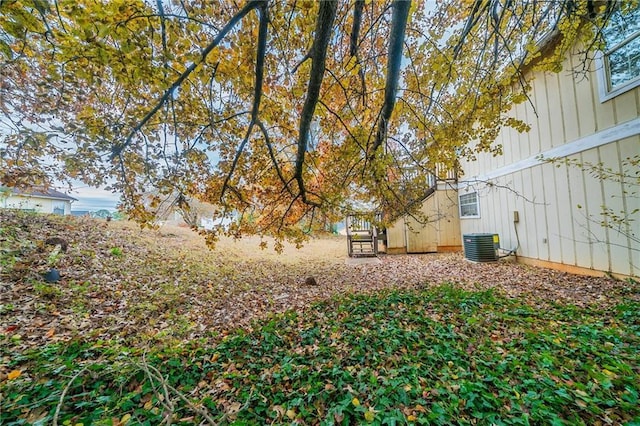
481,247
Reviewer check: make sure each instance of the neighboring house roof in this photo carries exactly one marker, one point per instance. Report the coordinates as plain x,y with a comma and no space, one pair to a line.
80,212
42,193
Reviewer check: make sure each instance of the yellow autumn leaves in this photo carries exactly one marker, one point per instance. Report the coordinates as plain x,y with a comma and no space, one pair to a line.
14,374
369,414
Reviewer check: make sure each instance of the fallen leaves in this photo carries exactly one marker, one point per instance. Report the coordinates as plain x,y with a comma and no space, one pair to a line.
166,285
291,414
14,374
391,362
369,415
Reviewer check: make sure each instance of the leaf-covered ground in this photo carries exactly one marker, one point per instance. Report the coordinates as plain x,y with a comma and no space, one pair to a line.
143,328
120,282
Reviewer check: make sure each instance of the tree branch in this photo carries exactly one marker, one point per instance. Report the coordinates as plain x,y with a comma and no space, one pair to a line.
118,148
257,93
274,160
473,18
396,43
302,61
355,29
323,31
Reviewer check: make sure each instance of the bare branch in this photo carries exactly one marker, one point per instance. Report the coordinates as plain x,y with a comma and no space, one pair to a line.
274,160
54,422
302,61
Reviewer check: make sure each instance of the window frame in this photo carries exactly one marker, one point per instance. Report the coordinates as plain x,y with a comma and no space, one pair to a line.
476,203
58,205
606,90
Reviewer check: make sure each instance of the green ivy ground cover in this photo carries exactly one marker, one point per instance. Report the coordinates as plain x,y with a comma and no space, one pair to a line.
439,356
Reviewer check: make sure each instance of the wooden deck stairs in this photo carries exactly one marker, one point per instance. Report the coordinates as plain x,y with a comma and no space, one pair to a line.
362,237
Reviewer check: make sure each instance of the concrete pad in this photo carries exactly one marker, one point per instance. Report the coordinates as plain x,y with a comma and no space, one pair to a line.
362,261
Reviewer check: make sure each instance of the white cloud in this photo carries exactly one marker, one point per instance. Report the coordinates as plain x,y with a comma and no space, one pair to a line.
93,199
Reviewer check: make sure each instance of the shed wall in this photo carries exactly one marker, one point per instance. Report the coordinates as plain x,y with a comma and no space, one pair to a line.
441,233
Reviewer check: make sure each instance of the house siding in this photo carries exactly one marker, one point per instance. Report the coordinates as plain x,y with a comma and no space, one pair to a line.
559,207
37,204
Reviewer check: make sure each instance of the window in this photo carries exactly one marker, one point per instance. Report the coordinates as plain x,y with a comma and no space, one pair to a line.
620,62
58,207
469,206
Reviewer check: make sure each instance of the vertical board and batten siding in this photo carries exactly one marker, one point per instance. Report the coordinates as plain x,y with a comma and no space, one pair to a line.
560,206
422,237
396,241
449,238
406,235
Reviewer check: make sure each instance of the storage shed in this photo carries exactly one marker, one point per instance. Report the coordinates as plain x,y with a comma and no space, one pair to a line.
440,233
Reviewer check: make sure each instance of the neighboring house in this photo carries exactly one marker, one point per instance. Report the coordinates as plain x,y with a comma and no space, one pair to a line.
169,211
36,200
438,230
552,213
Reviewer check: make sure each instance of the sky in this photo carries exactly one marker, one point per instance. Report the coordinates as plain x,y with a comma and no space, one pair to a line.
93,199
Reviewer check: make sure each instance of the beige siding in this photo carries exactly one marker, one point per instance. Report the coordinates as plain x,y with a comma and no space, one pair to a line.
440,233
37,204
595,199
580,224
560,207
448,224
396,237
554,110
421,237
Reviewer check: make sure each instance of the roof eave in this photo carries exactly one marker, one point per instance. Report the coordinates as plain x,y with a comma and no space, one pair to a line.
46,197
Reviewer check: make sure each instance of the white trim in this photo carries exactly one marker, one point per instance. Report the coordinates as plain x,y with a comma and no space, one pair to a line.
475,216
59,204
44,197
603,137
603,70
603,82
